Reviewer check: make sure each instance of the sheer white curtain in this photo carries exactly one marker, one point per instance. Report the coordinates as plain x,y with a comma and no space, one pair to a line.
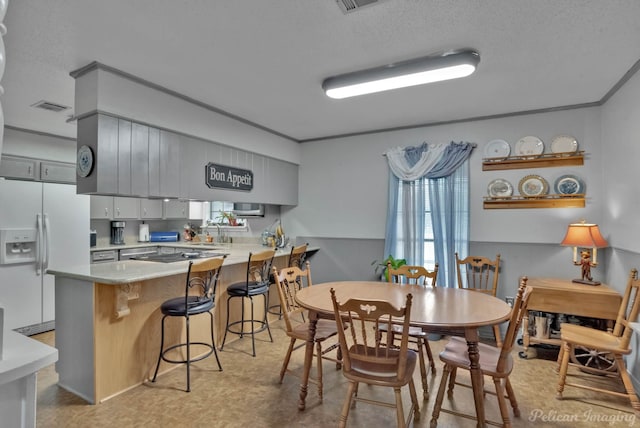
441,170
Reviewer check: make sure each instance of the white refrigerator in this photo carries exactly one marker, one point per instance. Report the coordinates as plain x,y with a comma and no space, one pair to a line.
58,220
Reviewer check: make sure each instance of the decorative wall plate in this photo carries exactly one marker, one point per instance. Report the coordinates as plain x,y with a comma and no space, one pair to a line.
500,188
564,144
84,163
497,149
568,185
529,146
533,185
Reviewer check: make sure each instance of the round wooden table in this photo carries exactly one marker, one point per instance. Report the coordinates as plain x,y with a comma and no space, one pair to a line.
449,311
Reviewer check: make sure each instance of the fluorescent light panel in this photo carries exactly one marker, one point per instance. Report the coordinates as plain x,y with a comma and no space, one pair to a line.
433,68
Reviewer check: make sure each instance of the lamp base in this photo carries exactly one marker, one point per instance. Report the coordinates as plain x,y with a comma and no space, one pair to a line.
586,282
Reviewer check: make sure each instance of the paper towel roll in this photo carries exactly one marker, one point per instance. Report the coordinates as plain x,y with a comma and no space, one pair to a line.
143,233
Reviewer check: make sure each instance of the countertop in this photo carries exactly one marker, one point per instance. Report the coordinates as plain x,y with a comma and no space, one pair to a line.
23,356
126,271
177,244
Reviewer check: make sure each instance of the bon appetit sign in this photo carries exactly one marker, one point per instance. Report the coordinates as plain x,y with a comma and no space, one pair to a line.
226,177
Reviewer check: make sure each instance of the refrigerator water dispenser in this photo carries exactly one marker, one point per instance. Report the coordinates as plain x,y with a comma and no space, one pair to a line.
18,246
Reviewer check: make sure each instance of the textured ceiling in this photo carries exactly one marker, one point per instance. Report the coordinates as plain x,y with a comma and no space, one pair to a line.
265,60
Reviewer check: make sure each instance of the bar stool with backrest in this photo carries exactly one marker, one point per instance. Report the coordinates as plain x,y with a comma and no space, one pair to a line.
480,274
495,362
296,258
255,284
202,278
289,280
373,362
417,275
614,344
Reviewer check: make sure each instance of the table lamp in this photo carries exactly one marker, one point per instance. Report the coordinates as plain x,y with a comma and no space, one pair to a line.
584,235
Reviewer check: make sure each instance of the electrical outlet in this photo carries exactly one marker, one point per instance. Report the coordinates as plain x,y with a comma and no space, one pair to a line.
509,301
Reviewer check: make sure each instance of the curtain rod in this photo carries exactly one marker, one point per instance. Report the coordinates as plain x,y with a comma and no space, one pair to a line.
474,145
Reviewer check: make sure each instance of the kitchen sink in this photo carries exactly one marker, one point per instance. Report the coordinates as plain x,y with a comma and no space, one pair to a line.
178,257
208,244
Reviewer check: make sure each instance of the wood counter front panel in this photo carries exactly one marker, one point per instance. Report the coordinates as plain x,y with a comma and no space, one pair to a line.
126,348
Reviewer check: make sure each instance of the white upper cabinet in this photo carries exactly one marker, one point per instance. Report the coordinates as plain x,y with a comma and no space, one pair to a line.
139,160
57,172
176,209
101,207
17,167
115,208
133,159
150,209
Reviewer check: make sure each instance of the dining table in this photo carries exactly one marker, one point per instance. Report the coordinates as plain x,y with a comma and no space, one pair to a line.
449,311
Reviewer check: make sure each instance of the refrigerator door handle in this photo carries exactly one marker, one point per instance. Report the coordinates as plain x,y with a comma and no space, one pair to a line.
47,243
39,243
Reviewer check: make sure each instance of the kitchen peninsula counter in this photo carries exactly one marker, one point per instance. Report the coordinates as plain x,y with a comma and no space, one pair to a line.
127,271
108,318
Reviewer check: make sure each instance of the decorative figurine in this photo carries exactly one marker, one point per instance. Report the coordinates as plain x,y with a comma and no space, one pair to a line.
586,264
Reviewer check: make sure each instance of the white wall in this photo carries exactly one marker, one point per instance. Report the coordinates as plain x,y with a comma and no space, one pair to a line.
621,153
20,143
112,93
343,182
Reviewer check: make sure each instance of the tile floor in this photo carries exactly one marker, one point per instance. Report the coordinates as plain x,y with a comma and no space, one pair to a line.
247,394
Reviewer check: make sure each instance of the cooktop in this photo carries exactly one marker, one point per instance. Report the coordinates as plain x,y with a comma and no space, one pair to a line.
178,257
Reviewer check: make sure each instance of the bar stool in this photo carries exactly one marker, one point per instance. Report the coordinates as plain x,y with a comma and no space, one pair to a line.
203,277
296,259
256,284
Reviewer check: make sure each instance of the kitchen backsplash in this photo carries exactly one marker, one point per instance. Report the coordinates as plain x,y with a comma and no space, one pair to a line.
253,231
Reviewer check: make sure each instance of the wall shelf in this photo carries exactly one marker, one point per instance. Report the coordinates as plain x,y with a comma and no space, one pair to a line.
542,161
546,201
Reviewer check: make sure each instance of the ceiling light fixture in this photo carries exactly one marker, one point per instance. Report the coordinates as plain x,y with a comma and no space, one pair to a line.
428,69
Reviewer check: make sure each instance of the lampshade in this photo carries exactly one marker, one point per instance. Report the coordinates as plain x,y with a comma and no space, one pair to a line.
584,235
432,68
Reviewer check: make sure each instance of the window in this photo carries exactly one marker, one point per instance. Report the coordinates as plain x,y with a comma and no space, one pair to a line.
216,210
429,259
429,249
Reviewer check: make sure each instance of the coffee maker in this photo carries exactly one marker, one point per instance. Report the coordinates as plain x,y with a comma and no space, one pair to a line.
117,232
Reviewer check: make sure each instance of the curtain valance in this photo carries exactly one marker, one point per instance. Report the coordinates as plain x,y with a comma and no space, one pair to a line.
430,160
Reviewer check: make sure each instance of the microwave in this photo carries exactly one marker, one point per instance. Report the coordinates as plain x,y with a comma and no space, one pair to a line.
244,209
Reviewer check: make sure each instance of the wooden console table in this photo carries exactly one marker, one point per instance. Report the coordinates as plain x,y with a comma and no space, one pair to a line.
566,297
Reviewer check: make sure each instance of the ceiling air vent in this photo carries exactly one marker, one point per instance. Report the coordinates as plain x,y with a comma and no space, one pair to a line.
348,6
46,105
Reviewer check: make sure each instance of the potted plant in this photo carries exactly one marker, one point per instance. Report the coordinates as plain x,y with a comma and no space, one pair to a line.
395,263
229,217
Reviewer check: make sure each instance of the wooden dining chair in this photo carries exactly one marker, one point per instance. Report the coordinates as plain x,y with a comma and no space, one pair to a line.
615,343
368,360
288,281
480,274
417,275
495,362
296,258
